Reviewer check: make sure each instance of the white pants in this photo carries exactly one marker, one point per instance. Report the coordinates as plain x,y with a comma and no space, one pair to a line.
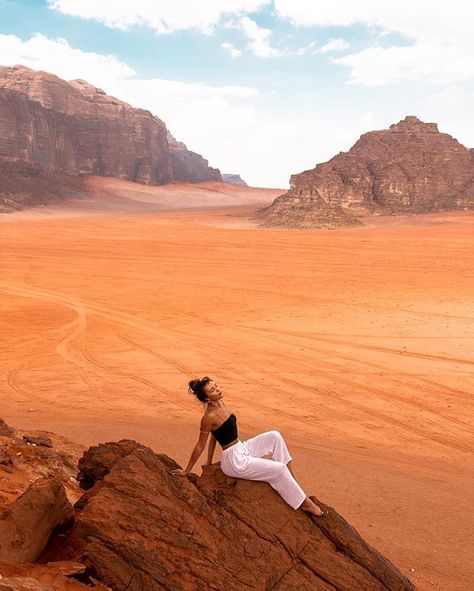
244,460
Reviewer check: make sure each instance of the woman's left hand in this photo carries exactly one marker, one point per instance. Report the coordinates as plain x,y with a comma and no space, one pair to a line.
179,472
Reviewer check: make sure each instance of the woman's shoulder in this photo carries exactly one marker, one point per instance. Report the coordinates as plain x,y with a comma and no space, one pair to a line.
211,419
208,421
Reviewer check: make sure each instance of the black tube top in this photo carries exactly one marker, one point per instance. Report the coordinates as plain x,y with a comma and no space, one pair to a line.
226,432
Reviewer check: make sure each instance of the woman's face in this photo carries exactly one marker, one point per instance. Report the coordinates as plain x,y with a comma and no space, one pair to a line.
213,391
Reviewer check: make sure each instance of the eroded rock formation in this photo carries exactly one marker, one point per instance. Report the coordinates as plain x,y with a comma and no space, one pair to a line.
75,128
54,132
144,528
409,168
37,489
141,528
52,576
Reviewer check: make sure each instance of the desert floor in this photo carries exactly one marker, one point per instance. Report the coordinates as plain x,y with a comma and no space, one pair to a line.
357,345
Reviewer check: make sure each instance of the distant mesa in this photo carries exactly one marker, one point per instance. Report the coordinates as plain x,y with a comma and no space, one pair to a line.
234,179
409,168
53,132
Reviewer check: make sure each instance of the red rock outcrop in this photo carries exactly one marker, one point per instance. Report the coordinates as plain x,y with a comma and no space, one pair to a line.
409,168
26,524
141,528
75,128
37,489
54,132
45,577
27,455
189,167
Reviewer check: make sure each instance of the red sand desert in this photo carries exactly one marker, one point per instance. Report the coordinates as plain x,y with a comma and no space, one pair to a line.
355,344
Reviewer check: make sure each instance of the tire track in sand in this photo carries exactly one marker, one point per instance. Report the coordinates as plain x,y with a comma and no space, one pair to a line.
424,433
74,330
147,327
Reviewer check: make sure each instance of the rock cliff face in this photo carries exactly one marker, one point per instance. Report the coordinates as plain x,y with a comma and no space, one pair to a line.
189,167
409,168
139,527
54,132
75,128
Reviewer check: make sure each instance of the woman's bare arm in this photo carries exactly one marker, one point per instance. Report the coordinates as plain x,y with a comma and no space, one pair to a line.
197,451
198,448
210,450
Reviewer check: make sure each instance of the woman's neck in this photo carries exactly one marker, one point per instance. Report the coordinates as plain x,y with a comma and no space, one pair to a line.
216,405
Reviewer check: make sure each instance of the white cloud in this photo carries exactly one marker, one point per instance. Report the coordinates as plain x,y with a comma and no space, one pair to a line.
438,44
334,45
57,56
438,48
162,16
231,49
427,61
259,38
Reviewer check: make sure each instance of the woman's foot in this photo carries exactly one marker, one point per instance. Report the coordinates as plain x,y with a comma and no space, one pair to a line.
310,507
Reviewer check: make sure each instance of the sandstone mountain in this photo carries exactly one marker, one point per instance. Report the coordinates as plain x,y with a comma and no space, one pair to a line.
189,167
234,179
409,168
69,129
114,517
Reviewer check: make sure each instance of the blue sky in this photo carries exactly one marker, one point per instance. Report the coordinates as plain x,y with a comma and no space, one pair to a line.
259,87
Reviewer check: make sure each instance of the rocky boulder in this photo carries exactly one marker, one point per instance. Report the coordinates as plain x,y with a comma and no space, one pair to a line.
100,459
53,576
409,168
147,529
26,456
37,488
6,430
27,523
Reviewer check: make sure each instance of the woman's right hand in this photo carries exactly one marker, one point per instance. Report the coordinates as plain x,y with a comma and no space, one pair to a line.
179,472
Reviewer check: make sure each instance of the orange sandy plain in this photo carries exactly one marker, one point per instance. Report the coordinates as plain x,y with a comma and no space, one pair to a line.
356,344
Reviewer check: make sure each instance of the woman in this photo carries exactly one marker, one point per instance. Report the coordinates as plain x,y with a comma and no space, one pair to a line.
244,459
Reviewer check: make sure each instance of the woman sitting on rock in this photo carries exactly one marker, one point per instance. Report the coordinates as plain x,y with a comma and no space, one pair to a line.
244,459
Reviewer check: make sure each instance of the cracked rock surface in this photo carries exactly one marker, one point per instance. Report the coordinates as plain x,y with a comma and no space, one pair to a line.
139,527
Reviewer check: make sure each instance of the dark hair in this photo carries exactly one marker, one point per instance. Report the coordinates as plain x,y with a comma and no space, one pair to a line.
196,388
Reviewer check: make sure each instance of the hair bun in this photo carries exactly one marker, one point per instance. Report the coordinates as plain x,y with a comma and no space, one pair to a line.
197,388
193,384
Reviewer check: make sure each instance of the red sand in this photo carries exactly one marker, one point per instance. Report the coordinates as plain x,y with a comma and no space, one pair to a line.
356,344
